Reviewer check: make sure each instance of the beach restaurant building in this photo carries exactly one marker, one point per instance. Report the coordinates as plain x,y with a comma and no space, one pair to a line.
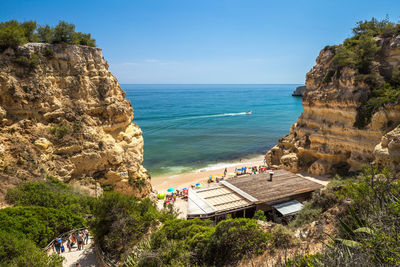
280,198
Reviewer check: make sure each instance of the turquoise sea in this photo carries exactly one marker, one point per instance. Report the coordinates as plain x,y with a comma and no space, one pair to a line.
191,127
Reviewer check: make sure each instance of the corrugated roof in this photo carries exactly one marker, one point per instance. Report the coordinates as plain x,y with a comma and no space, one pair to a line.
288,208
214,199
197,205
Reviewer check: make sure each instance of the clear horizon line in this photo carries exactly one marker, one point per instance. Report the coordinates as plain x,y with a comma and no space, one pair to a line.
213,83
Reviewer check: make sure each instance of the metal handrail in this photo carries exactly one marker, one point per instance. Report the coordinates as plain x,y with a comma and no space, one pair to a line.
101,254
46,248
107,260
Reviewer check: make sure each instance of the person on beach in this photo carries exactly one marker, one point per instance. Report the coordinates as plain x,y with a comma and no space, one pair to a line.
225,171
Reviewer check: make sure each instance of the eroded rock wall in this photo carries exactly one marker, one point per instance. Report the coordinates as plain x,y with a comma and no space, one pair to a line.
324,138
63,114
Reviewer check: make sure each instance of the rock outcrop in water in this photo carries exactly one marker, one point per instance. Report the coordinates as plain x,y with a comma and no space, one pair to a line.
324,138
299,91
63,114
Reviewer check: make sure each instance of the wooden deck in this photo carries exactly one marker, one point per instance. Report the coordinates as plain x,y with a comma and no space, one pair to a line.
284,184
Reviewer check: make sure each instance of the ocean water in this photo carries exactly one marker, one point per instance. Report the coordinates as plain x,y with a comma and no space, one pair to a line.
193,127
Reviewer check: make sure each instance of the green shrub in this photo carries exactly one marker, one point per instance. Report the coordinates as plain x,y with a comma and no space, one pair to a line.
179,230
379,97
307,214
63,33
33,61
83,39
22,61
282,237
203,244
60,130
121,221
49,53
328,76
17,251
14,34
320,202
45,34
38,224
30,63
374,27
138,183
368,234
177,243
259,215
358,52
50,194
11,35
235,239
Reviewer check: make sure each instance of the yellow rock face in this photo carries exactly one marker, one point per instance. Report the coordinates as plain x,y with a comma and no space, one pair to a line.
67,117
324,138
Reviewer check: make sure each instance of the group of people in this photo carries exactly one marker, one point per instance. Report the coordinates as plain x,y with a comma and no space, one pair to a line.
217,179
171,197
253,170
78,238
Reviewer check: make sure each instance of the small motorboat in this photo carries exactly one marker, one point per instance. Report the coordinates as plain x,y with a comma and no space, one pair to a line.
249,112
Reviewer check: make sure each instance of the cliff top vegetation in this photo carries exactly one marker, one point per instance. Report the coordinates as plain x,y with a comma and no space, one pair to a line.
14,34
362,52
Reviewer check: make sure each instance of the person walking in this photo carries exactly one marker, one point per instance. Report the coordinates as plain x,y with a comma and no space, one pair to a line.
86,234
225,171
57,245
80,240
69,245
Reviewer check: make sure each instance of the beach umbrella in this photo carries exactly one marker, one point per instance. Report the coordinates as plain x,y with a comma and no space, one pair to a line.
171,189
161,196
199,185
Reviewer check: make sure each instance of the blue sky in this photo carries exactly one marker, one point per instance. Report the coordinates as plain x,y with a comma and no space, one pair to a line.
207,41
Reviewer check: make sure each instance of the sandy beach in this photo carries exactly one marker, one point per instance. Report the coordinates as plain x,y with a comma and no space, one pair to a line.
179,181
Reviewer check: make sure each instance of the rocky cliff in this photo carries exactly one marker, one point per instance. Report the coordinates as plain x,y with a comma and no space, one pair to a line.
299,91
325,139
63,114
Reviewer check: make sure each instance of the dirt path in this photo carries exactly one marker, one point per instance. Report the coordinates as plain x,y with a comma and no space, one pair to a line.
86,257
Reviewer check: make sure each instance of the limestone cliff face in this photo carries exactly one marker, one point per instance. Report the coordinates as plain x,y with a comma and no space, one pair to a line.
324,137
63,114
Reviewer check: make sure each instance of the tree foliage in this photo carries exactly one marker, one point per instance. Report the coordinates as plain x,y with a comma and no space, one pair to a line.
14,34
38,224
17,251
121,221
369,234
359,52
196,242
50,194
